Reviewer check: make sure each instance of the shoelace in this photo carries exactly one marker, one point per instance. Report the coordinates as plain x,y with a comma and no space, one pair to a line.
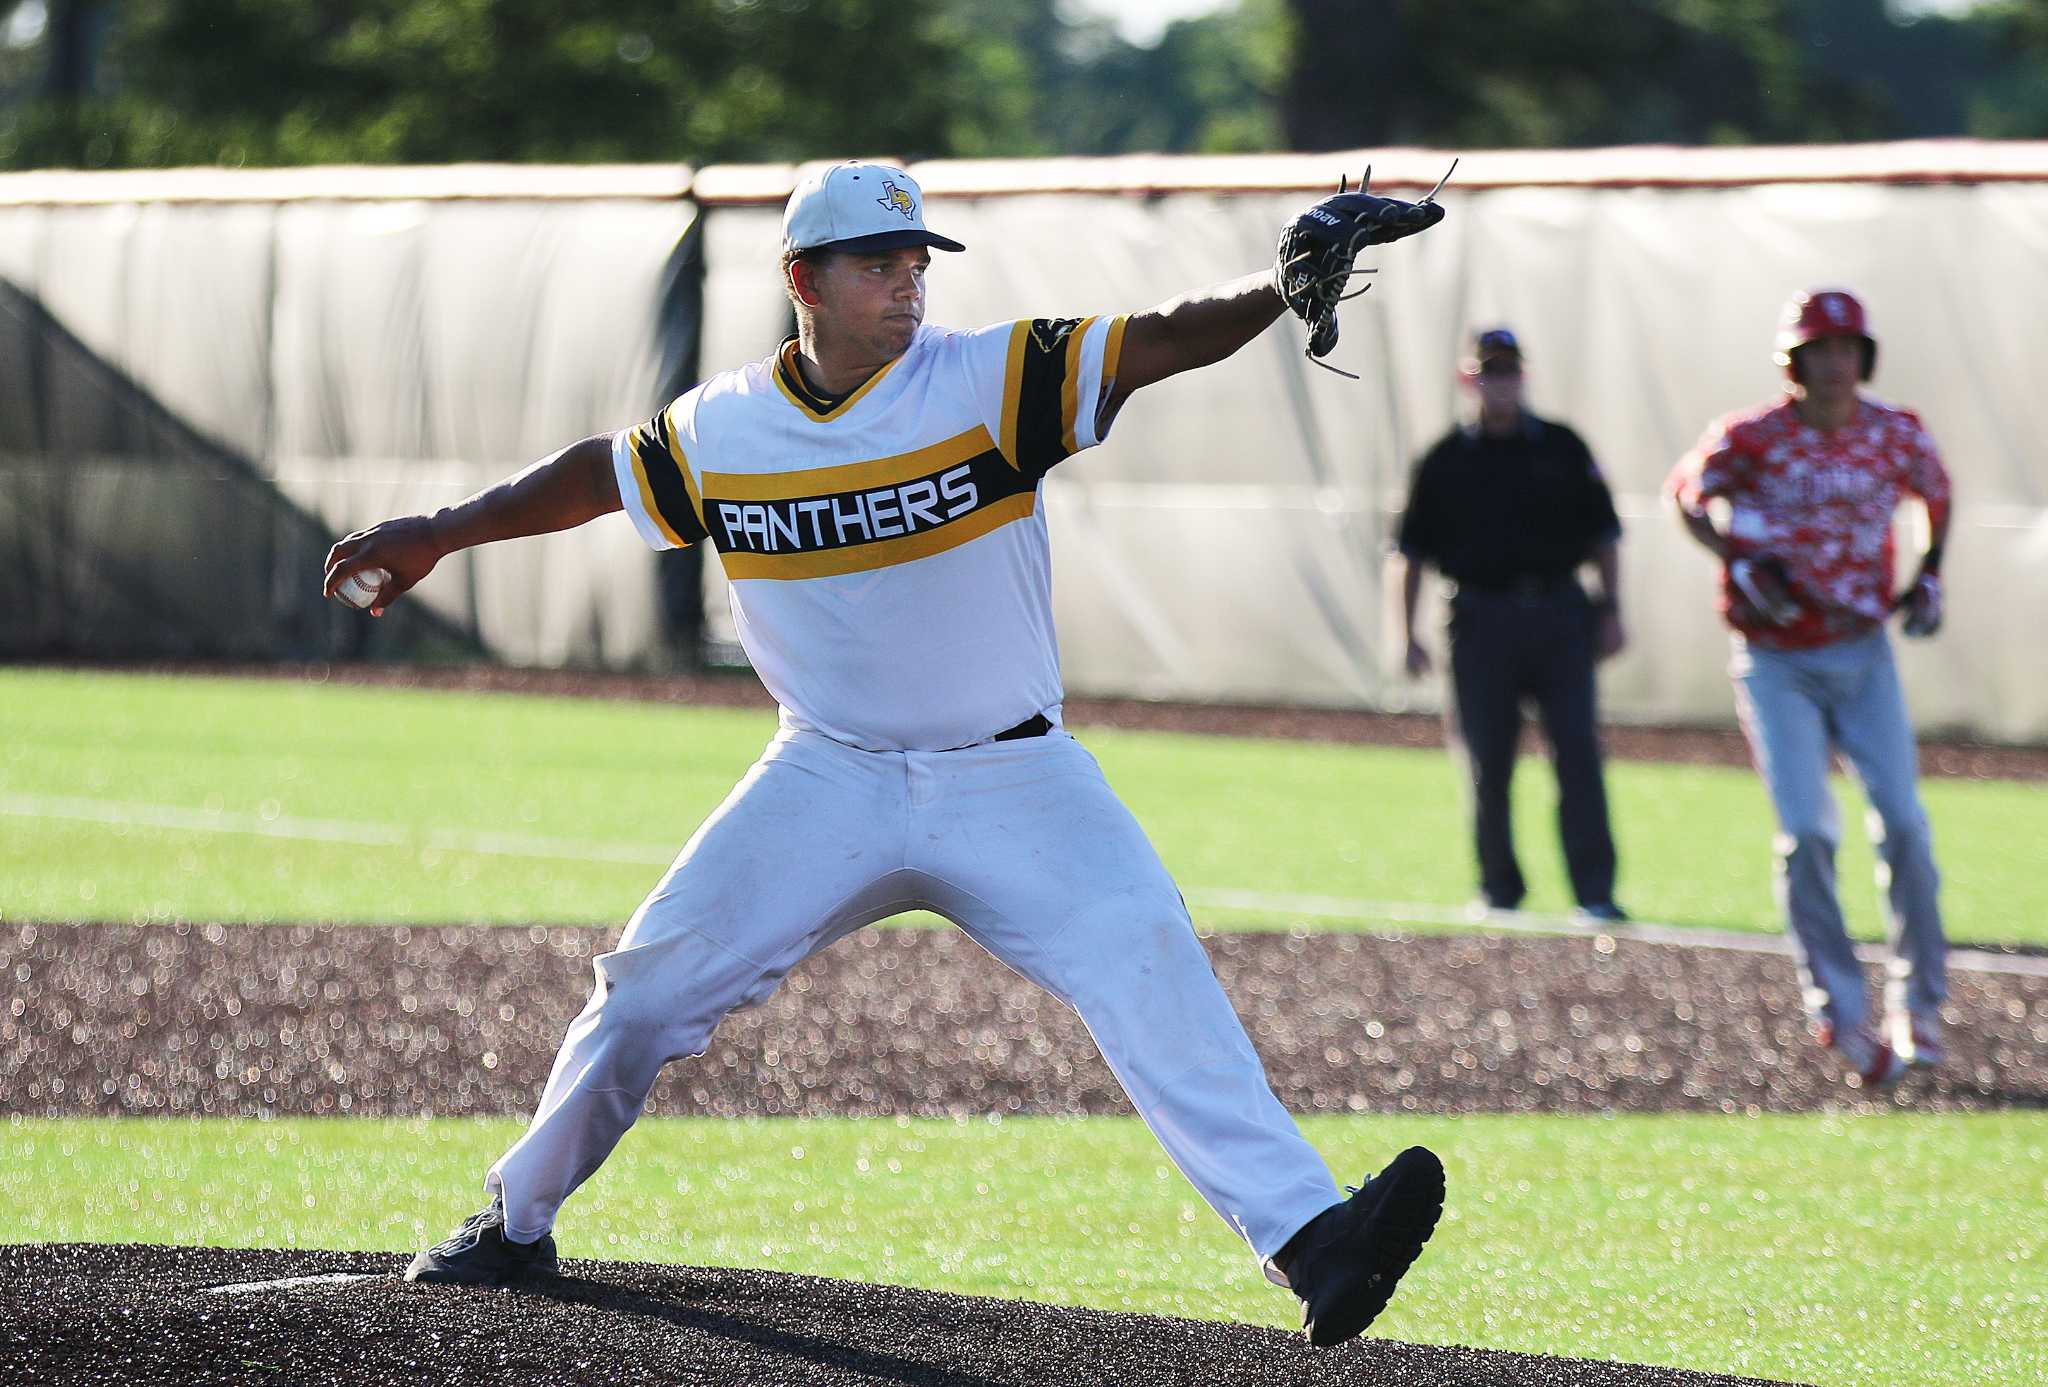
1337,1226
471,1231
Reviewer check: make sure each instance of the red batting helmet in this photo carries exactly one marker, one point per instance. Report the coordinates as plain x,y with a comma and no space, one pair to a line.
1822,313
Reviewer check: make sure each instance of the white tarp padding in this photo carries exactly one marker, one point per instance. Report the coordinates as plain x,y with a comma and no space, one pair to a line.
1227,542
375,351
426,350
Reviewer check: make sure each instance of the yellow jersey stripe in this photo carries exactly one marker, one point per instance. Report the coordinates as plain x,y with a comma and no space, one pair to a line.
853,476
1013,389
647,502
1113,350
1070,415
863,558
682,461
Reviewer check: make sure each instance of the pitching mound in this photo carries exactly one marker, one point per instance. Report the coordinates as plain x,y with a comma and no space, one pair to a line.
116,1315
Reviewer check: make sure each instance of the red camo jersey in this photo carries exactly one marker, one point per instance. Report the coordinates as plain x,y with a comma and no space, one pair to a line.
1819,501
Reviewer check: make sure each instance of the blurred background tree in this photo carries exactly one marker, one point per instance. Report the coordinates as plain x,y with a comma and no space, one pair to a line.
1041,77
1486,73
128,83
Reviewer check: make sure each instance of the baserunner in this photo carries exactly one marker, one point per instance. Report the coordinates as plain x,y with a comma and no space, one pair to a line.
1811,482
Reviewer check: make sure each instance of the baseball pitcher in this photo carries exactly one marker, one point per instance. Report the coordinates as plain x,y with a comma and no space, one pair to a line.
872,490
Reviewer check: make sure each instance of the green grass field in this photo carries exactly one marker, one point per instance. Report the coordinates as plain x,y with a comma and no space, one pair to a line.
136,798
1891,1249
1782,1247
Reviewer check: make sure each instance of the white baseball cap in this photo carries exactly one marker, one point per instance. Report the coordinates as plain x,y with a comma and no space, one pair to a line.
858,206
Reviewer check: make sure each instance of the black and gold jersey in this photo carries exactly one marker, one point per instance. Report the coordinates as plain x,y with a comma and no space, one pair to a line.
888,558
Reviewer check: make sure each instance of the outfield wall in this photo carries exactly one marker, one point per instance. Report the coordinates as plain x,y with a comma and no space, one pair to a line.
374,345
363,342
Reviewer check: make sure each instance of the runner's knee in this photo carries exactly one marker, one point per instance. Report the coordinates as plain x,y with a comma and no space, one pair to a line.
1899,827
1813,844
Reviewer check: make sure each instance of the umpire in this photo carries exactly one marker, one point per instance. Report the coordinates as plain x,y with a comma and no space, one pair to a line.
1507,508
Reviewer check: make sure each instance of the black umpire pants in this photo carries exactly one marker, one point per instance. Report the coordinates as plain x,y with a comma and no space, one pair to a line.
1532,644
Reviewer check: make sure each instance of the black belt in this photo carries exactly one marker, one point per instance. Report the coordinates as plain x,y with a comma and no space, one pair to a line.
1522,585
1034,726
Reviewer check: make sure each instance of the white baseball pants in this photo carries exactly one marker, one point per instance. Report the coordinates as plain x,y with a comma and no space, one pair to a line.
1023,845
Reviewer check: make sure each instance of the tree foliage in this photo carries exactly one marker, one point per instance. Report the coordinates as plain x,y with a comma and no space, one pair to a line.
700,81
2012,101
1034,80
106,83
291,81
1584,72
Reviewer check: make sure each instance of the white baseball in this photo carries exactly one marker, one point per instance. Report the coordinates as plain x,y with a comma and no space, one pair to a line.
360,589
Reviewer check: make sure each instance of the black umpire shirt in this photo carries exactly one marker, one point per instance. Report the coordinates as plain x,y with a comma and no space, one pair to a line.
1492,513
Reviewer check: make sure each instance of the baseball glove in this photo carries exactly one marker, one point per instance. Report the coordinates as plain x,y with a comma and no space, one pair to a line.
1318,248
1922,605
1766,587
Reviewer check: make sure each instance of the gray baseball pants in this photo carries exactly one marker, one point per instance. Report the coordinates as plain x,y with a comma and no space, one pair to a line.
1796,707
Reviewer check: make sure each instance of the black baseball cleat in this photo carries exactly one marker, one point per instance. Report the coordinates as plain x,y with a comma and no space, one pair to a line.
1346,1261
479,1254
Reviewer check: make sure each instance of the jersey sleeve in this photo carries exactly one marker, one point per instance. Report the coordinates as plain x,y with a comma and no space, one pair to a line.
1596,502
655,484
1925,474
1420,535
1718,465
1039,385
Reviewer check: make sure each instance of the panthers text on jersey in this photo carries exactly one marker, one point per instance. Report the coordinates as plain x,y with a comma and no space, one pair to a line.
1821,501
889,564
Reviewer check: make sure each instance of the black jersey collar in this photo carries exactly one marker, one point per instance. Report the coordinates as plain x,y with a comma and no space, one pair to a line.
818,405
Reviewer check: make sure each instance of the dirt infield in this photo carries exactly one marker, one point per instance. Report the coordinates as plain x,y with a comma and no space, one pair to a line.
740,689
309,1020
112,1316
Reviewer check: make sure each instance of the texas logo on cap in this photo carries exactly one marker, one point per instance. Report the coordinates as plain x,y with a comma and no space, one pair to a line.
858,206
893,196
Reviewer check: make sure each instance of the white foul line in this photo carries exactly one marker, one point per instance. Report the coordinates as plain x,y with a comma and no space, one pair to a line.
1529,922
182,819
292,1283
